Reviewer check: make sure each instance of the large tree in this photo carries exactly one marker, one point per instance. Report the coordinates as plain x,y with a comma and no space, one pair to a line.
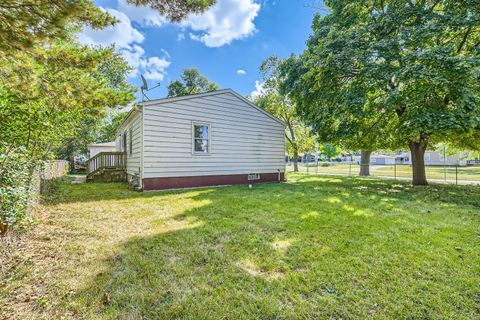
48,83
408,69
71,85
191,81
277,101
298,137
26,23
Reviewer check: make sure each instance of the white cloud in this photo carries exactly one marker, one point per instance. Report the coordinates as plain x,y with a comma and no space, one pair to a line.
241,72
134,57
259,90
155,68
141,14
226,21
122,34
127,41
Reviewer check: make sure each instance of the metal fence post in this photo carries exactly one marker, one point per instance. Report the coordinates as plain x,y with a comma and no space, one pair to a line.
456,174
317,165
395,171
350,169
306,163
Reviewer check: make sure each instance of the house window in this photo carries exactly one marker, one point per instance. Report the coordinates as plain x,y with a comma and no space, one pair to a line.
201,138
130,141
124,142
426,157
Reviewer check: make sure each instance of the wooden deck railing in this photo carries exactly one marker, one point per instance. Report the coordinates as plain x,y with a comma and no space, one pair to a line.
106,160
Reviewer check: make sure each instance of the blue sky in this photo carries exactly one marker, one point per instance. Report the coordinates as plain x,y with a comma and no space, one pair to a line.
227,43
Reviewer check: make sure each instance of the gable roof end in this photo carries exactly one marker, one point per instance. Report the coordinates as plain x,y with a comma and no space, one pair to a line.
211,93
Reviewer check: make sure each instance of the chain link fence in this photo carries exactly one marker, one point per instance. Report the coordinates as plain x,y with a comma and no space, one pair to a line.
446,174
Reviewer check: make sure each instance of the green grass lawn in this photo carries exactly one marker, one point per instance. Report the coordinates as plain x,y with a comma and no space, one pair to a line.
313,248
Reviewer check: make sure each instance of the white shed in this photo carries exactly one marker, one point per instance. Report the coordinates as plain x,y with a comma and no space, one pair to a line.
96,148
214,138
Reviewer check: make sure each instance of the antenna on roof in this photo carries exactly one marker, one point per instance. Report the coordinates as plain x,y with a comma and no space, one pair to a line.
144,88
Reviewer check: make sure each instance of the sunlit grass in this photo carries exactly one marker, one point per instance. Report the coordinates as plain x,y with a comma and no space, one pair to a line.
316,247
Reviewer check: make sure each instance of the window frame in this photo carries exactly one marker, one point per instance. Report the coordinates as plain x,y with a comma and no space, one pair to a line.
130,141
209,139
124,141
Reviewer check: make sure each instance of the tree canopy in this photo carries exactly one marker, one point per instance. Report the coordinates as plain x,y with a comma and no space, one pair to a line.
49,86
175,10
191,81
26,23
404,71
50,100
299,137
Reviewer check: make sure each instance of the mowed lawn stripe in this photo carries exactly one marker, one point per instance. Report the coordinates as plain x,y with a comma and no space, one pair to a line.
315,247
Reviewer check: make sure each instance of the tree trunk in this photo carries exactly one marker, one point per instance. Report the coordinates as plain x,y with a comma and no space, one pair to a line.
418,163
295,161
365,163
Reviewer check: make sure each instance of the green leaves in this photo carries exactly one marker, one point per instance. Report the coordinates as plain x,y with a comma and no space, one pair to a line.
191,82
15,185
175,10
50,88
28,23
379,73
299,137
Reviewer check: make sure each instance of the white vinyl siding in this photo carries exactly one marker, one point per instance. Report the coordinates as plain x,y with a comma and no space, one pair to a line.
134,155
242,139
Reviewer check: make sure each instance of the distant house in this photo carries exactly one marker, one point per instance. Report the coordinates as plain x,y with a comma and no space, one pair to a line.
213,138
96,148
381,159
434,158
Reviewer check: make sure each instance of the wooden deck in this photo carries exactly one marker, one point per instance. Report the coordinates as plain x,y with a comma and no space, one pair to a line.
107,167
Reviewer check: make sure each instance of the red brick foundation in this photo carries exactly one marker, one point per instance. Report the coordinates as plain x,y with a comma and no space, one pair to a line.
205,181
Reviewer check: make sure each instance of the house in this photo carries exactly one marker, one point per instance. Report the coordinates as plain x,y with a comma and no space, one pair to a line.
381,159
434,158
214,138
96,148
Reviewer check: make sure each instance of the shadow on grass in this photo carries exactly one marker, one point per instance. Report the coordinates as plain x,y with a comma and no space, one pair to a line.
314,247
374,187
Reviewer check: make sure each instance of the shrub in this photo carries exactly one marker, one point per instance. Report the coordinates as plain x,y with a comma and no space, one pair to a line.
16,188
325,164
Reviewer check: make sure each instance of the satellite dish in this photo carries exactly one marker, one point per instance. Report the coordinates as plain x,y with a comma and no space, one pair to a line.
145,84
144,88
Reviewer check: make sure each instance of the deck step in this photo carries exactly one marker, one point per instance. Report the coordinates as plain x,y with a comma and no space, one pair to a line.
107,167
